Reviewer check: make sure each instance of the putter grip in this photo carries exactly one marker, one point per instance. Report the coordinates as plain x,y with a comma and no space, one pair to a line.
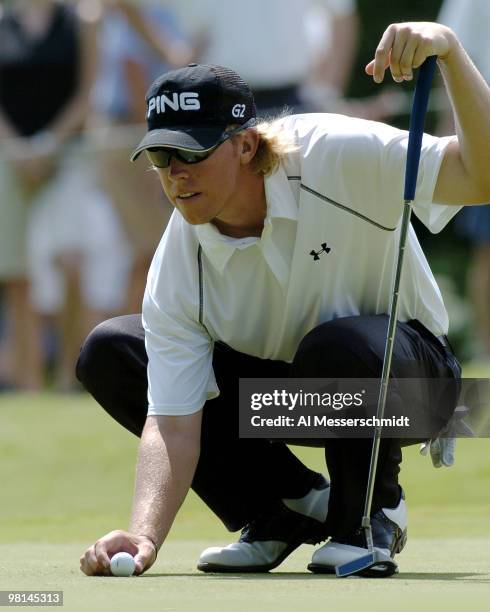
417,121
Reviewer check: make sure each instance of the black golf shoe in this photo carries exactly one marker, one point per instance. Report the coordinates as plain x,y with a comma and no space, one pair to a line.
268,540
389,528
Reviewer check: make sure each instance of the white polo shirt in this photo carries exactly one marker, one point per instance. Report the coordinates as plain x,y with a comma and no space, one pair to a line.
328,249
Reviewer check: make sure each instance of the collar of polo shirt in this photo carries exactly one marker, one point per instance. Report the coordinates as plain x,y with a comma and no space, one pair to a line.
281,204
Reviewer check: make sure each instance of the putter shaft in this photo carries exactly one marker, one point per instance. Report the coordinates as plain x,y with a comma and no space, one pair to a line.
385,375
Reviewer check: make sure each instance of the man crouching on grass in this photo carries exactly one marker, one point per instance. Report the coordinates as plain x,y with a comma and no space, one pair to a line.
233,291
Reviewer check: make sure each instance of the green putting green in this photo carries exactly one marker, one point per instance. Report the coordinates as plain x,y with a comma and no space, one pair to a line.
441,574
66,474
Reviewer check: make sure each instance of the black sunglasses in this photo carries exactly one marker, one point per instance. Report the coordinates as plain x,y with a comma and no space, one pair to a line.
160,156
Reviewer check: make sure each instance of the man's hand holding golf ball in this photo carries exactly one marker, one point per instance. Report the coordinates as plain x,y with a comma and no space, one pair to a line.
167,460
112,555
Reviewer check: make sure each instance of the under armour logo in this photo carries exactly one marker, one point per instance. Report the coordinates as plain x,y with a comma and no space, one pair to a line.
324,249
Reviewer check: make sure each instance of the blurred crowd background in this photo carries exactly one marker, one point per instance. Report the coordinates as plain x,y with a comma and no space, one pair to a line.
79,223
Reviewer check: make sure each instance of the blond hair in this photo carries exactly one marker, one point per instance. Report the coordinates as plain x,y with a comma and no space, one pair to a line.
274,144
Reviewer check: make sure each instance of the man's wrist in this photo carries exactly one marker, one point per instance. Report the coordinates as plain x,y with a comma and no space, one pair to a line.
453,46
152,542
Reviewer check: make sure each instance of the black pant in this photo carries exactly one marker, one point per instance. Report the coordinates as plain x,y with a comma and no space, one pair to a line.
239,478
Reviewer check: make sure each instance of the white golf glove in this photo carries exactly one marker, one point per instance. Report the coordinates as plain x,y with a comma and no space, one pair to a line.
442,449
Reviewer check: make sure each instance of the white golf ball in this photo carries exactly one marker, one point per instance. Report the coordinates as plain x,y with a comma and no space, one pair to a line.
122,564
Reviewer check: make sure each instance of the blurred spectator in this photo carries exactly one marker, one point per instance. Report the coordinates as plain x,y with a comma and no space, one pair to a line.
267,43
297,55
47,66
172,49
18,346
470,20
129,63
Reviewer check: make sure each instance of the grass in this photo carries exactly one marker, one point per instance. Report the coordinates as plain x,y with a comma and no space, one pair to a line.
444,576
66,474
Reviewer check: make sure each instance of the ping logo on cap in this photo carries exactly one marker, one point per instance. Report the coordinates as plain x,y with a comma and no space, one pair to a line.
187,100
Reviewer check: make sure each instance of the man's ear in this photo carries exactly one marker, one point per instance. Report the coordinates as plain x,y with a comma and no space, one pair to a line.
248,146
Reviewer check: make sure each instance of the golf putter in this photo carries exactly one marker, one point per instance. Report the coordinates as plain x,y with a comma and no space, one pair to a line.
367,564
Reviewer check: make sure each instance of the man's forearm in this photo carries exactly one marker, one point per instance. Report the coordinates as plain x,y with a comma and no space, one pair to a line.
463,176
167,460
470,100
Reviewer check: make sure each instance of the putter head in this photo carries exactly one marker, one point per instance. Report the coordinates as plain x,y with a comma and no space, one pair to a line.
374,564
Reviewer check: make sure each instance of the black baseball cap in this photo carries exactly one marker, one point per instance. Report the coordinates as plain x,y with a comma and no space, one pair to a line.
190,108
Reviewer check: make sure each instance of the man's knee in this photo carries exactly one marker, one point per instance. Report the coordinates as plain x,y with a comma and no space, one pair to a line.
94,352
105,345
340,348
